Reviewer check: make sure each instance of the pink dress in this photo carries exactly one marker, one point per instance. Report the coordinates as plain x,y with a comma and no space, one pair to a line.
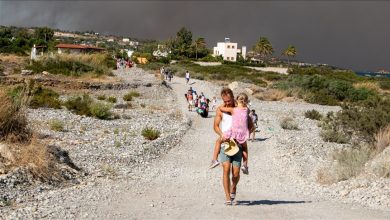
239,129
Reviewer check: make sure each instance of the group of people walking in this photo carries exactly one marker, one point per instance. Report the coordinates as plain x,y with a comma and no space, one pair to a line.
199,102
167,73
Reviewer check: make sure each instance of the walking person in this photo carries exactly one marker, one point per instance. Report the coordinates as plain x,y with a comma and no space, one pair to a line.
187,76
239,131
222,123
213,103
254,118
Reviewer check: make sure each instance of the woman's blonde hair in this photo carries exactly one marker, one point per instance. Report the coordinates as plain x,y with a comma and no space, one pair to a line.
242,98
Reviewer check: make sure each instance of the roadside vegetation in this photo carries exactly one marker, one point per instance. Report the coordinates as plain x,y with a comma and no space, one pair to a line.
20,142
74,64
85,105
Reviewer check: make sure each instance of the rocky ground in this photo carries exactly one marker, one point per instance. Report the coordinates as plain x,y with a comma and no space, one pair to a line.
147,179
104,150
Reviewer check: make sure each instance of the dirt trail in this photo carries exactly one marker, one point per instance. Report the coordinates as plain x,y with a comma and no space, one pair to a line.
180,186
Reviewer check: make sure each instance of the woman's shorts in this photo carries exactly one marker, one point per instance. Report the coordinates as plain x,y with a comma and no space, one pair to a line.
190,102
235,159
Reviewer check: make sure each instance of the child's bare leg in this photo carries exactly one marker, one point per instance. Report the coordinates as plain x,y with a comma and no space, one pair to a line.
245,153
217,148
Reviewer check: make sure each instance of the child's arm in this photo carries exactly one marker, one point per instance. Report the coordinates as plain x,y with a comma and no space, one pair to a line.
226,109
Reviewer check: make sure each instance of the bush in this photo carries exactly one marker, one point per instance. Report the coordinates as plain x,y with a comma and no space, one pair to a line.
321,98
384,84
102,97
350,162
13,118
111,99
40,97
289,124
129,96
330,135
79,105
150,133
382,139
74,64
100,110
86,106
56,125
313,114
46,98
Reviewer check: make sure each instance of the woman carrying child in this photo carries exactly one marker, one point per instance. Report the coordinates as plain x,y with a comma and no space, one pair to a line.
239,130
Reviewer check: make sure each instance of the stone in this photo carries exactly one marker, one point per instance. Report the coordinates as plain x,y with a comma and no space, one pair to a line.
26,72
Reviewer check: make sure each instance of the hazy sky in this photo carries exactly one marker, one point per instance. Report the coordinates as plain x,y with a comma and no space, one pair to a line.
351,34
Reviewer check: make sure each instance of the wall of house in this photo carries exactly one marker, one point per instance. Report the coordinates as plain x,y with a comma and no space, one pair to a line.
68,50
227,50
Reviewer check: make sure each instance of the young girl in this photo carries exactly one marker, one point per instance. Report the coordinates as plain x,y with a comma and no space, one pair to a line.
239,130
214,103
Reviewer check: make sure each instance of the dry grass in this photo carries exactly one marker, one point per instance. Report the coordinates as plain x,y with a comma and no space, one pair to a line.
271,95
11,58
13,119
382,139
36,156
368,85
96,59
289,124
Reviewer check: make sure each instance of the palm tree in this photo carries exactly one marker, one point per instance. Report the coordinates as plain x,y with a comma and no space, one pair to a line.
199,43
263,47
291,51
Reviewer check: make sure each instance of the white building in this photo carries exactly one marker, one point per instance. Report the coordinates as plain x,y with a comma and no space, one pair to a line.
228,50
125,40
161,51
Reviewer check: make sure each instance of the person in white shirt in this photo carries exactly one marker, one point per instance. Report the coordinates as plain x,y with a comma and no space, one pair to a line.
187,77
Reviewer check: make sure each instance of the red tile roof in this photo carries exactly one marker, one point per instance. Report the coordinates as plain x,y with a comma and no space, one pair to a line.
76,46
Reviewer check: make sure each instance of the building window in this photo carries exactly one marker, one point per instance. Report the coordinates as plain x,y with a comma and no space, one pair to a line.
233,47
228,46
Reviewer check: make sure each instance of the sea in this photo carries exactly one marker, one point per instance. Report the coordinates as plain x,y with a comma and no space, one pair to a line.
373,74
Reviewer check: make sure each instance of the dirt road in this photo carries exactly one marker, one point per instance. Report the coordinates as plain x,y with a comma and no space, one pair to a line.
180,185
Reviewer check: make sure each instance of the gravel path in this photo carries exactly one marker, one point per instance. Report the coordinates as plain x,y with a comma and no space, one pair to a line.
180,185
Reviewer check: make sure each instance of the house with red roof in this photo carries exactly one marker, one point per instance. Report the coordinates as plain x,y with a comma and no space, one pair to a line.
76,48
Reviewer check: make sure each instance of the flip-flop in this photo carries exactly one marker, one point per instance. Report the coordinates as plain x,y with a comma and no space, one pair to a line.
232,196
228,203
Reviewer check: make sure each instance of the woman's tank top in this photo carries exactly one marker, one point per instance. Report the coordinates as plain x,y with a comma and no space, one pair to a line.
226,122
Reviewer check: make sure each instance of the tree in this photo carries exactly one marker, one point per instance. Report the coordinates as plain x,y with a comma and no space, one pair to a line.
44,33
291,51
263,47
200,44
181,45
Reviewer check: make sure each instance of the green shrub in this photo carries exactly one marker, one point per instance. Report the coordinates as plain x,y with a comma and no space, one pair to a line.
330,135
384,84
111,99
56,125
100,110
79,105
129,96
102,97
40,97
150,133
313,114
74,64
289,124
43,97
321,98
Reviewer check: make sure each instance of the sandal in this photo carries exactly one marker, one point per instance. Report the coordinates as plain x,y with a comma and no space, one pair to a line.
228,203
232,196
